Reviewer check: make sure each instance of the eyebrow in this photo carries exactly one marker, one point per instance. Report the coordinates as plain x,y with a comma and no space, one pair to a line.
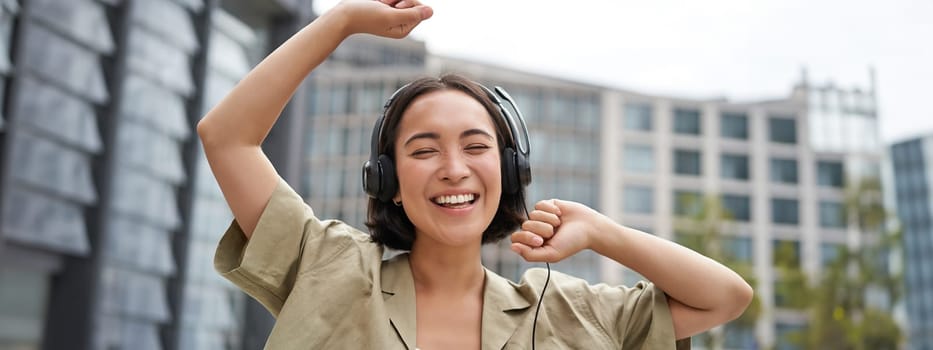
436,136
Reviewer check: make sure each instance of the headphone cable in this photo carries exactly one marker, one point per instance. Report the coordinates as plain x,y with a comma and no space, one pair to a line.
534,325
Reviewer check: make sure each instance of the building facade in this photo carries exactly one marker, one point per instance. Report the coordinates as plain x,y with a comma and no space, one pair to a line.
108,213
910,164
774,166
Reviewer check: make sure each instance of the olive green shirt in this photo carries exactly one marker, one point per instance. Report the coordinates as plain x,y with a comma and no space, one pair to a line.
329,288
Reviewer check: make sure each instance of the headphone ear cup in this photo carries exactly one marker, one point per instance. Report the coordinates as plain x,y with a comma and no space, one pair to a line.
371,178
510,183
388,182
523,170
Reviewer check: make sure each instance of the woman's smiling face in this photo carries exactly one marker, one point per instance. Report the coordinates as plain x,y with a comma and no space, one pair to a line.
447,161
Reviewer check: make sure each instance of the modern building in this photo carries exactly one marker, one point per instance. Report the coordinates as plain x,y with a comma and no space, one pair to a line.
108,214
778,167
911,164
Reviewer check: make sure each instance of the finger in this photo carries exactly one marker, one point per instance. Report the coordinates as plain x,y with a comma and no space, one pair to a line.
538,254
409,18
540,228
527,238
549,206
404,4
543,216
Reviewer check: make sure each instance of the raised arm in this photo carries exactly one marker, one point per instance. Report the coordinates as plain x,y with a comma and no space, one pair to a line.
702,293
232,132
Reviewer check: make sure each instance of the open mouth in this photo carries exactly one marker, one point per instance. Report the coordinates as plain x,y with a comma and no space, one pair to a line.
456,201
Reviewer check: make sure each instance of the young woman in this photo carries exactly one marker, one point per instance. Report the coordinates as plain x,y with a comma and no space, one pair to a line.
441,190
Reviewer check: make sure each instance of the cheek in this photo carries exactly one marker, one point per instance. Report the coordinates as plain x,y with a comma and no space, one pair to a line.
412,175
491,169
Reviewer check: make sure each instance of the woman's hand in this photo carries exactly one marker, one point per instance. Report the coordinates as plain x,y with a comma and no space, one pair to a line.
556,230
387,18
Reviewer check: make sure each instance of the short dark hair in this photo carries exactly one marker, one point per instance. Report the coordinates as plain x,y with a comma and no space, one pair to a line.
388,224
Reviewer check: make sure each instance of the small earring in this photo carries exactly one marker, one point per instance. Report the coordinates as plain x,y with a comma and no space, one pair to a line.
398,203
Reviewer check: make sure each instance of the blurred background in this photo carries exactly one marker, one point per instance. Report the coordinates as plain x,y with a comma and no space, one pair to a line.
784,139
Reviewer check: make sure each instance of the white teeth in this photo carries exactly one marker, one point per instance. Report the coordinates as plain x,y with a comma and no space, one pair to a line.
454,199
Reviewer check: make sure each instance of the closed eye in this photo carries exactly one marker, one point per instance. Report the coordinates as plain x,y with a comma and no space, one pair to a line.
477,148
422,152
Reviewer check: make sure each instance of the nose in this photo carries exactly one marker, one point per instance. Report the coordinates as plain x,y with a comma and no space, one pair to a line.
454,168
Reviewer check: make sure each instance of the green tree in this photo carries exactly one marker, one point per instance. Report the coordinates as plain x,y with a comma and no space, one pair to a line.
840,315
703,225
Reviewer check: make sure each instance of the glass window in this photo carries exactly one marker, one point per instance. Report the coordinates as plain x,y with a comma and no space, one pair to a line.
155,105
153,57
69,119
561,109
738,336
83,75
339,100
734,166
638,158
146,249
23,296
829,252
319,139
832,214
82,20
589,112
34,217
829,174
783,130
142,147
137,193
687,162
687,203
371,99
169,20
784,170
52,167
785,211
739,248
131,293
352,141
693,241
789,336
734,126
687,121
8,10
785,253
638,116
638,199
737,207
334,180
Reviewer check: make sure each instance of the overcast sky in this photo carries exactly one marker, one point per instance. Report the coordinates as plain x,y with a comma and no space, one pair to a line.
736,49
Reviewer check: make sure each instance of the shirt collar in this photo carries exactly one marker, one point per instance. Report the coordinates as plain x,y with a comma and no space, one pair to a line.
504,306
398,292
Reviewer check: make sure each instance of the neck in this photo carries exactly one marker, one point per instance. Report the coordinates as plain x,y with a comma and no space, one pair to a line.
447,269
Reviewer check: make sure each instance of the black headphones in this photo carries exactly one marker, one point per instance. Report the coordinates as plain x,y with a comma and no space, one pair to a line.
379,179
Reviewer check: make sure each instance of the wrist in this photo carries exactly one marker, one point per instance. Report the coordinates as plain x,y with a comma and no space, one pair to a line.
606,236
338,20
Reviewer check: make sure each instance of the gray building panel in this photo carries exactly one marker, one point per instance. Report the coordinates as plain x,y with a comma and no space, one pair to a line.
911,167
